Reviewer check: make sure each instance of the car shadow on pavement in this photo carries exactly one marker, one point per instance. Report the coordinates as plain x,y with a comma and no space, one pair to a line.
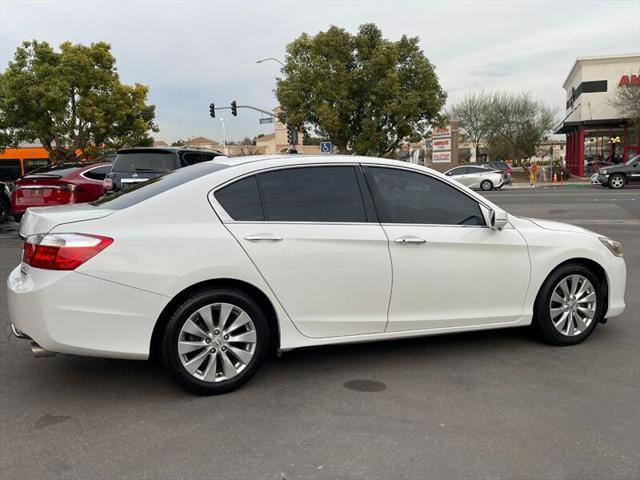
117,380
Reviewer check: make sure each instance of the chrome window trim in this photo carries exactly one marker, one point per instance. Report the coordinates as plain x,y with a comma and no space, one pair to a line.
226,218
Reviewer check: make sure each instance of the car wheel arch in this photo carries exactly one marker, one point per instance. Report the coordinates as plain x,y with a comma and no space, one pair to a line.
592,265
257,294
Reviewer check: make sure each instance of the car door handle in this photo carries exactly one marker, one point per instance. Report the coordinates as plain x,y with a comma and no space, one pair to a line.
410,240
263,237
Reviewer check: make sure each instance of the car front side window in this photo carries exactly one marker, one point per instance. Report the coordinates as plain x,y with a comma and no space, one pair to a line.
406,197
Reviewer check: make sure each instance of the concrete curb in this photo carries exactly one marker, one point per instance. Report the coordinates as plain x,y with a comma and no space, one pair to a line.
518,186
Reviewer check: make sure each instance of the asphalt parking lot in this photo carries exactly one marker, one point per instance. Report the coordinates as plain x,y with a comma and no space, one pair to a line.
496,404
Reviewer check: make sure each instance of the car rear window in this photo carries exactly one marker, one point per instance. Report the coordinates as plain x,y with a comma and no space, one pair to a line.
143,191
57,170
129,162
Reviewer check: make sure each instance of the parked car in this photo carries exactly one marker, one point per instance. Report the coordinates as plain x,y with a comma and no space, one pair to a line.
59,184
498,165
137,165
477,177
211,266
617,176
5,201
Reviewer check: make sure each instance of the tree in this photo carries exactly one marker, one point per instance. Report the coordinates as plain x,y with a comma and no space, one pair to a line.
178,143
474,114
366,94
518,124
627,102
72,101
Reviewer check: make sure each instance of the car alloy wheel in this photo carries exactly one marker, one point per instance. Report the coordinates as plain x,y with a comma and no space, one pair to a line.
569,305
616,181
217,342
486,185
573,305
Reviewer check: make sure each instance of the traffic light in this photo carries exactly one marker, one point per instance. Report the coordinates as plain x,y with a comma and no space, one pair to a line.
292,135
212,110
234,109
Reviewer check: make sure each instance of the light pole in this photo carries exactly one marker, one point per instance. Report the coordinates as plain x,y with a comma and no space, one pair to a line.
224,137
270,58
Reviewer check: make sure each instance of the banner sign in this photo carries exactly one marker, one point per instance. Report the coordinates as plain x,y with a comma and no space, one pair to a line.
441,132
441,157
441,144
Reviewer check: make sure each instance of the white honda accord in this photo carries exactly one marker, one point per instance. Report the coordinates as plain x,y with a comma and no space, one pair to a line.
213,265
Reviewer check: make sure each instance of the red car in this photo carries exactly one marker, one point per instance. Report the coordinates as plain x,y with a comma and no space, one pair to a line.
73,182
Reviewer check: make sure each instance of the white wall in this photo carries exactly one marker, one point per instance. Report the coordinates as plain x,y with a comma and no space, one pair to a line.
596,106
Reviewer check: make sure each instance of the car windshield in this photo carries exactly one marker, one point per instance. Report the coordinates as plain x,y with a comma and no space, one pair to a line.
144,161
632,160
143,191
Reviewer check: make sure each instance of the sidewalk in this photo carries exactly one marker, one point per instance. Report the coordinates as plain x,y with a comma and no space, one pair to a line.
569,184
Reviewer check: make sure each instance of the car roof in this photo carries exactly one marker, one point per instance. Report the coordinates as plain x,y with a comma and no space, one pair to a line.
168,149
289,159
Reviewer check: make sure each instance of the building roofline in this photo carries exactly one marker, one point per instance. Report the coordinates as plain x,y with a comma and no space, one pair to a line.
597,57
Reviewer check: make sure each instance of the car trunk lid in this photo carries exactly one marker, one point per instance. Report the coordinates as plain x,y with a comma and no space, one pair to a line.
43,219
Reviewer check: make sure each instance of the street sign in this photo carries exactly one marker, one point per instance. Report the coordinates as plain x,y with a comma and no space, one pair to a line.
267,120
325,147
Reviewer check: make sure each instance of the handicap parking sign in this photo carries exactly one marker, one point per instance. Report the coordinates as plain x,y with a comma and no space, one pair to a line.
325,147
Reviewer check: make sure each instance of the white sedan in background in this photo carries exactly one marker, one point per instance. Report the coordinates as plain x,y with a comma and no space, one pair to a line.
213,265
478,178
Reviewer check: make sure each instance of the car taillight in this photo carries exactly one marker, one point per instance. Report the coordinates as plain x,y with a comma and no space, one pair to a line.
508,170
107,184
62,251
67,187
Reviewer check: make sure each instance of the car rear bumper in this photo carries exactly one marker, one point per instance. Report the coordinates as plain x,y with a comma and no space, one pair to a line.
69,312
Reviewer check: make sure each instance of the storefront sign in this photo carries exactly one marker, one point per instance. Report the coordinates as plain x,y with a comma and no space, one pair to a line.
441,144
629,80
441,157
437,132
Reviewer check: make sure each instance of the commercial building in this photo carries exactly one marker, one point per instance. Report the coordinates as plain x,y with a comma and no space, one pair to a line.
597,132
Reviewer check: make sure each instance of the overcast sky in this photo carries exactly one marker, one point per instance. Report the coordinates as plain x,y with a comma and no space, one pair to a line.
192,53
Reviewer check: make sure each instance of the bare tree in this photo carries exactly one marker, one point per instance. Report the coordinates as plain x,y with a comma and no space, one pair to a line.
627,102
473,113
518,124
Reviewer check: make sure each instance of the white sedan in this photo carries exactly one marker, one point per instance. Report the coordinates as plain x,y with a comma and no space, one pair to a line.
477,177
213,265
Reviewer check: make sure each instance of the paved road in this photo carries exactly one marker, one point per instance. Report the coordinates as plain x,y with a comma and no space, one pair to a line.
484,405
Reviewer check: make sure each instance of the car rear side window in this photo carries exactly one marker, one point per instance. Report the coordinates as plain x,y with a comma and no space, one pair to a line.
241,200
312,194
97,173
409,197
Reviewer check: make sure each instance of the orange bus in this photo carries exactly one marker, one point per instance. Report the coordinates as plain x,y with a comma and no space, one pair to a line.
16,162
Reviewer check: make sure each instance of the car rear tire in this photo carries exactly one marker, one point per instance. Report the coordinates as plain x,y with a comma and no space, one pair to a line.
215,341
617,181
486,185
569,305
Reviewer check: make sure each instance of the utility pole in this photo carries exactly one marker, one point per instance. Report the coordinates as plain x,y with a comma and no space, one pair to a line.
224,137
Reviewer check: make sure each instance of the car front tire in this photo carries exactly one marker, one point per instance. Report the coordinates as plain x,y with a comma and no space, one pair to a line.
215,341
486,185
569,305
617,181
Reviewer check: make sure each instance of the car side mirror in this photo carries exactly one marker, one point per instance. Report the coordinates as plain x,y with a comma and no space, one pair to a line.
448,174
495,219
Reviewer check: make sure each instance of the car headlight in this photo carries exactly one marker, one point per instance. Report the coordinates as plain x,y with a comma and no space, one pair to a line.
613,246
604,172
